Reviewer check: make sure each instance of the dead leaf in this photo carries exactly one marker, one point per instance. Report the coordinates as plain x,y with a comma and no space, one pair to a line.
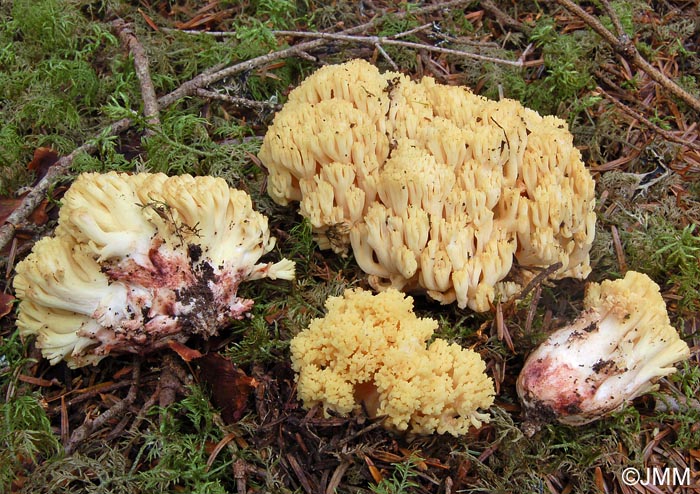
230,387
39,216
6,303
44,158
186,353
599,480
7,206
124,371
37,381
373,470
148,20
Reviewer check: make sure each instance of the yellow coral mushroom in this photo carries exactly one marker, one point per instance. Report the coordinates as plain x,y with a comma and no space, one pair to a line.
434,188
371,350
141,260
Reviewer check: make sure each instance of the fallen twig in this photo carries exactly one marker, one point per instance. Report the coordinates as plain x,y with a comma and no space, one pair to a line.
83,432
148,92
206,79
503,18
170,383
240,102
625,46
669,136
619,250
390,41
539,278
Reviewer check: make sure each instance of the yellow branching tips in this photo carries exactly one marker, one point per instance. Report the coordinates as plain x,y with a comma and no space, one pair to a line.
434,188
615,351
371,351
141,260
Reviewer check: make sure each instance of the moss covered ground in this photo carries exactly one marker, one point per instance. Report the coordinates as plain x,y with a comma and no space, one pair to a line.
218,72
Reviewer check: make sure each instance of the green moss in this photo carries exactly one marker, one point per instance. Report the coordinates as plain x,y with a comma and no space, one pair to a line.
402,479
26,437
256,340
681,406
557,453
405,58
177,450
669,254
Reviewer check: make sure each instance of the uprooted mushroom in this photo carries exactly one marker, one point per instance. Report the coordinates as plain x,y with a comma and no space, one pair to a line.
433,188
615,351
138,261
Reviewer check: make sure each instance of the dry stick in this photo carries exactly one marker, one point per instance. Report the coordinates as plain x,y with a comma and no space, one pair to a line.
619,251
189,88
625,46
140,417
386,56
669,136
84,431
170,383
384,40
539,278
503,17
619,30
240,102
148,92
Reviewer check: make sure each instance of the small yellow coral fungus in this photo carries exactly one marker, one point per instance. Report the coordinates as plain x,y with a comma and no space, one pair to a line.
371,350
436,189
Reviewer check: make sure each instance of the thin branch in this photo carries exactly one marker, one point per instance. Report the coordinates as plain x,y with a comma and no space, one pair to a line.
539,278
619,250
669,136
412,31
388,41
143,74
190,87
230,34
205,79
240,102
387,57
83,432
613,18
502,17
625,46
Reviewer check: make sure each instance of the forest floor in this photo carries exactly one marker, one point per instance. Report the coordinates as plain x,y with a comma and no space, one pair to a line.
75,96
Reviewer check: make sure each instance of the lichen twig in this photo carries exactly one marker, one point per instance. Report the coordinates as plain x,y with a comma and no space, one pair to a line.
239,102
